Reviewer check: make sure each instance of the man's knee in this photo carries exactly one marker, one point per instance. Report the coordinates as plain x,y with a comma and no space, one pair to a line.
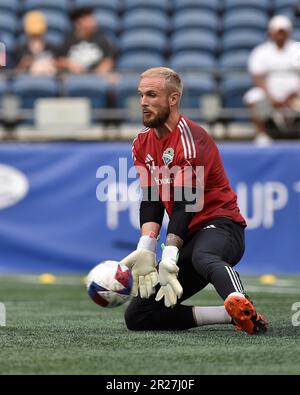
137,320
205,263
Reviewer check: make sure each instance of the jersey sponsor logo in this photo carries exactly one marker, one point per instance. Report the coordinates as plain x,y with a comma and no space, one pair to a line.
168,156
163,181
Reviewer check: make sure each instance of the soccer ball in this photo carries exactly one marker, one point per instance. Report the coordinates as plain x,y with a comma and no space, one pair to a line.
109,284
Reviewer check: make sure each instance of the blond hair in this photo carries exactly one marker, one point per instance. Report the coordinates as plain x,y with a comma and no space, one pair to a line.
173,80
35,23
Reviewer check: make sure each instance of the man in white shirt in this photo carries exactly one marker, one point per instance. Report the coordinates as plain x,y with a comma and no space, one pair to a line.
276,73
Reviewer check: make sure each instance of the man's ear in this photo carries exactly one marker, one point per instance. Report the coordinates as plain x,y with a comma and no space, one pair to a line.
174,98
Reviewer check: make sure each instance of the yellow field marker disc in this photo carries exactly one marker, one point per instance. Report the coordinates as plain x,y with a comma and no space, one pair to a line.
268,279
47,278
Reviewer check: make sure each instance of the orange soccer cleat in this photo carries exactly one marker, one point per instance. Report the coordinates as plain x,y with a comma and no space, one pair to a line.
244,315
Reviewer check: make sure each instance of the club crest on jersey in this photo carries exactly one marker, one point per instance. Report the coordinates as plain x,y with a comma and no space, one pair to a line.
168,156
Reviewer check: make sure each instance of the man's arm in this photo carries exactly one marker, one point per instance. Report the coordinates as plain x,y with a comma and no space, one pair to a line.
150,227
174,240
142,261
181,216
25,63
151,211
261,83
105,66
171,289
67,64
258,70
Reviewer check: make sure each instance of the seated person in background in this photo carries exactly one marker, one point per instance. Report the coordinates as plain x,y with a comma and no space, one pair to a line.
2,54
35,56
277,79
85,49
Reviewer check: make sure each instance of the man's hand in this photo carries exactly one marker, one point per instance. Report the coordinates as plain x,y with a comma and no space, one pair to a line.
170,289
74,67
142,263
278,103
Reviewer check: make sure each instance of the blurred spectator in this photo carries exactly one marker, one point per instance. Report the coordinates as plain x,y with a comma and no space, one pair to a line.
35,56
2,54
86,48
297,10
277,80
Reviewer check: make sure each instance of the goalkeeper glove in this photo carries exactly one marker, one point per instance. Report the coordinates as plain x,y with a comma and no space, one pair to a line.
167,276
142,263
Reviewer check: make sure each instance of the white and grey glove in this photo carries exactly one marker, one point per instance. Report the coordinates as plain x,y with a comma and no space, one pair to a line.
170,288
142,263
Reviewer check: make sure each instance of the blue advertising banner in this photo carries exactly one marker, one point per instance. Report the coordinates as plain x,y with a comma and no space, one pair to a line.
55,214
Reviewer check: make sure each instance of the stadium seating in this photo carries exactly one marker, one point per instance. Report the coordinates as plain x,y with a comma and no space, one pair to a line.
91,86
126,89
52,37
192,61
195,86
99,5
242,39
234,86
46,5
143,40
108,21
195,19
30,88
234,60
145,18
230,5
162,5
296,34
211,5
246,18
8,22
284,5
194,39
3,85
11,6
139,61
57,21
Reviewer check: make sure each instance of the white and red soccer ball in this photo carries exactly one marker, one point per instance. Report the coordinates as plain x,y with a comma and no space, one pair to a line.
109,284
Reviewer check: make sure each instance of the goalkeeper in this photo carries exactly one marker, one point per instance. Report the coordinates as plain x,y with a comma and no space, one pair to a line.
181,171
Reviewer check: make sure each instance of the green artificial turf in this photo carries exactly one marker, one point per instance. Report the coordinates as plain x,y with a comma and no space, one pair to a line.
57,329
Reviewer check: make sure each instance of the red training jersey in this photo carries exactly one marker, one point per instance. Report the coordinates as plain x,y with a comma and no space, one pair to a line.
175,160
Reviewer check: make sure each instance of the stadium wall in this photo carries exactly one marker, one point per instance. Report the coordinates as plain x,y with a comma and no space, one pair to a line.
52,217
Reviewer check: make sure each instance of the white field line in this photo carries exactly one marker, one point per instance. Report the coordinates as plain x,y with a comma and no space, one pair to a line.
286,283
272,290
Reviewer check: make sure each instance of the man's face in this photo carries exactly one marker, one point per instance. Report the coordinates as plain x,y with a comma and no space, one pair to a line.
87,24
280,36
154,101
